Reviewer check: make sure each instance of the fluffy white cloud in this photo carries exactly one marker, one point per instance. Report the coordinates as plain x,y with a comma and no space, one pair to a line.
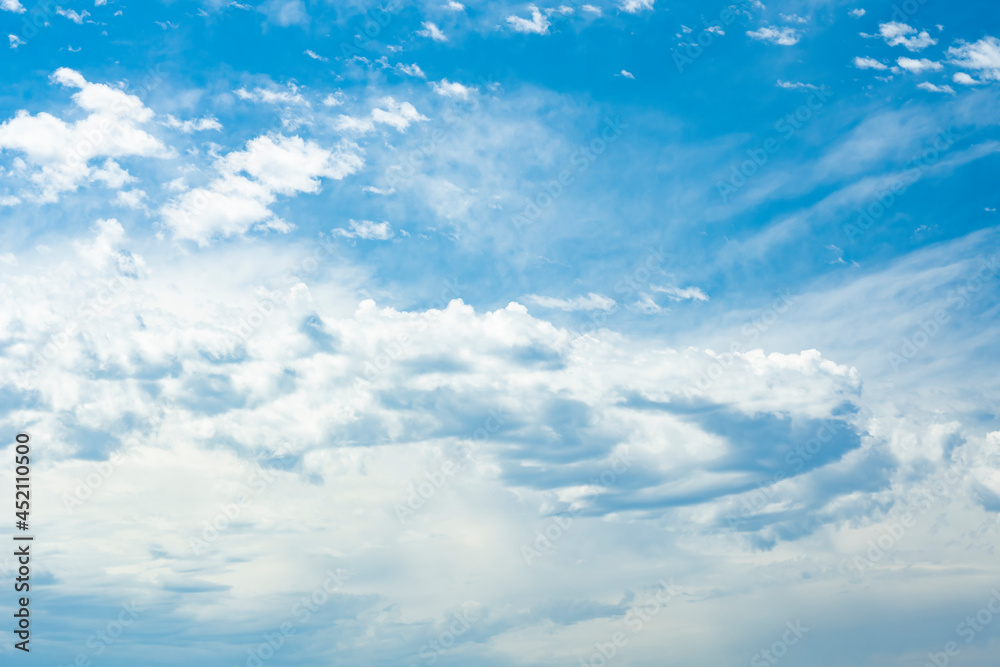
934,88
447,88
366,229
964,79
72,15
432,31
270,96
537,24
921,65
398,115
62,151
681,293
12,6
15,41
857,13
315,56
635,6
982,56
590,302
785,36
248,182
900,34
193,125
869,63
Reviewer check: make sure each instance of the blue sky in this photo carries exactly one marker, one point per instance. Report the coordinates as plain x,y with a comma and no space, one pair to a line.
506,334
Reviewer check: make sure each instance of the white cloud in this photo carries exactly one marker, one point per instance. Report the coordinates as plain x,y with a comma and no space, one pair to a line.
15,41
453,89
795,85
982,56
538,24
286,12
432,31
270,96
964,79
921,65
590,302
334,99
784,36
193,125
412,69
635,6
930,87
895,34
9,200
857,13
366,229
12,6
398,115
248,182
869,63
591,9
675,293
62,151
72,15
455,6
793,18
132,199
315,56
627,74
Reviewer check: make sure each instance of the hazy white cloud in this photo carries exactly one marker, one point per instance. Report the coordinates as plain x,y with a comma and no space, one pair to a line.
635,6
315,56
447,88
933,88
857,13
869,63
784,36
290,95
366,229
537,24
433,32
675,293
12,6
590,302
15,41
796,85
628,75
72,15
193,125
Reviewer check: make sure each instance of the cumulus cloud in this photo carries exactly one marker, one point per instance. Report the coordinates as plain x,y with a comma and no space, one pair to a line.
366,229
398,115
193,125
964,79
72,15
248,181
590,302
921,65
62,152
857,13
15,41
785,36
12,6
900,34
869,63
982,56
537,24
635,6
626,74
433,32
447,88
933,88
